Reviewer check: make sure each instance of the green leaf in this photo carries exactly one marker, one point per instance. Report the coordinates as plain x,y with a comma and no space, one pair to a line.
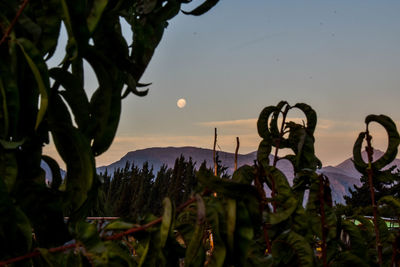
357,241
75,151
215,219
392,202
166,221
230,223
311,116
284,212
39,70
119,225
263,152
24,226
393,140
228,188
300,254
391,151
8,168
47,16
347,258
96,11
194,247
87,234
262,123
203,8
74,94
55,171
143,255
244,234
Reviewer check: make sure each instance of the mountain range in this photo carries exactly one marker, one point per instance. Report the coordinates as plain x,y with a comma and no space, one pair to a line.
342,176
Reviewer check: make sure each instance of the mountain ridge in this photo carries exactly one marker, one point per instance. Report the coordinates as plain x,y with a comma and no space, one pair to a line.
342,176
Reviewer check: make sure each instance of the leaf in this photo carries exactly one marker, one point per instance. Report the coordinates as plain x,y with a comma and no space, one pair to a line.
296,244
194,247
392,202
105,104
55,171
75,151
230,223
393,139
357,241
263,152
74,94
228,188
166,221
96,11
145,251
47,16
24,226
39,70
347,258
358,161
11,144
119,225
262,123
203,8
215,219
282,214
311,116
244,234
8,168
391,151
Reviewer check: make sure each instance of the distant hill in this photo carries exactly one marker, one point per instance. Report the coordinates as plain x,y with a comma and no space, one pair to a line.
158,156
342,176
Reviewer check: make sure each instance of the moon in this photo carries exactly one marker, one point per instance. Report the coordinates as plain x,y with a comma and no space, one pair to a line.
181,103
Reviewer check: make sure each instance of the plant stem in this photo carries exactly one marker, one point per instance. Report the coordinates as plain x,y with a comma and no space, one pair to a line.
236,152
14,21
37,252
263,203
370,151
214,152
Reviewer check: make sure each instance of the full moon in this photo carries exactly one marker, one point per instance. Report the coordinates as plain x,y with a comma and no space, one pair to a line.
181,103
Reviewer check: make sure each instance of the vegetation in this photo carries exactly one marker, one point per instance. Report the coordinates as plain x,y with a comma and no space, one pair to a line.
206,219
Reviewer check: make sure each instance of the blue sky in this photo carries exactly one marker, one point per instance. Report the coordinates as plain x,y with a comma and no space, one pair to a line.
340,57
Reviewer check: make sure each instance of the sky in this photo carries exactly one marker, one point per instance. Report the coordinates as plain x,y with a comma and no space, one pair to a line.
341,57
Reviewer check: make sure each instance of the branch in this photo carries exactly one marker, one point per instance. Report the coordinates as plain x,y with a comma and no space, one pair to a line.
14,21
37,252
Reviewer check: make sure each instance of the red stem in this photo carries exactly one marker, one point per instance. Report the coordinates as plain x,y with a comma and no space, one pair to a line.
36,252
14,21
263,202
372,191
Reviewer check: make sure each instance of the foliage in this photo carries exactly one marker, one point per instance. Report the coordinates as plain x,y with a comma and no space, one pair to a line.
204,219
133,192
36,101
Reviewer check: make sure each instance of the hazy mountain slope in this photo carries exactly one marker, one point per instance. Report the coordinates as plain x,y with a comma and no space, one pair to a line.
347,166
342,177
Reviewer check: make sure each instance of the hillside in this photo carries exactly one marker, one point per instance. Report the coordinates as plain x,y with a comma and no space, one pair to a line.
342,177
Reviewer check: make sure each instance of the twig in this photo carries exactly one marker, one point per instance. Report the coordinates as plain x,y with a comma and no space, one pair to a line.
263,203
14,21
37,252
236,152
214,157
370,151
